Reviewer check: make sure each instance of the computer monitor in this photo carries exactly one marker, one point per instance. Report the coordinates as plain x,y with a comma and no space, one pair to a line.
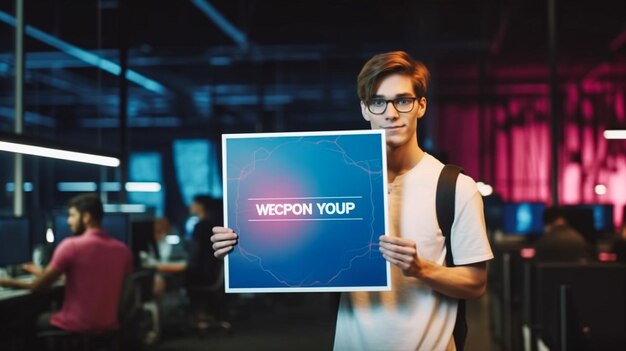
602,215
118,226
60,228
523,218
115,224
15,247
143,239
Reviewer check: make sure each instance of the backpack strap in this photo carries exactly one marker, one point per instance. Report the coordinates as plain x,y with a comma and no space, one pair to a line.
445,204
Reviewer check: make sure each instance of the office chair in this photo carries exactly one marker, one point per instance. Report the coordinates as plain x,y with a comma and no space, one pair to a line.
205,293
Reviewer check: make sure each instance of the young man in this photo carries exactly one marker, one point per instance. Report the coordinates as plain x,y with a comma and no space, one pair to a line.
95,266
420,311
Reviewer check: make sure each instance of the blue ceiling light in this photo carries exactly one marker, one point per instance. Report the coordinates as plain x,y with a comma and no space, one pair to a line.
86,56
29,117
224,24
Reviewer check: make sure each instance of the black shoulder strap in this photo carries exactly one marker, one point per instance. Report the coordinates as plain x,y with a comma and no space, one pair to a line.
445,203
446,191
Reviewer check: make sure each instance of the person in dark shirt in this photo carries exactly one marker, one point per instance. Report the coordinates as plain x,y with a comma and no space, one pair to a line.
202,267
204,270
560,241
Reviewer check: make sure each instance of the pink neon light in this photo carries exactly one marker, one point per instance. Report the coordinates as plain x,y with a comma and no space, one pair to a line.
527,253
607,257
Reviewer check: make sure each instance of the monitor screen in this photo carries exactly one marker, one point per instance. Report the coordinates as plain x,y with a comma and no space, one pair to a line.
523,218
115,224
60,227
602,217
15,245
582,218
143,238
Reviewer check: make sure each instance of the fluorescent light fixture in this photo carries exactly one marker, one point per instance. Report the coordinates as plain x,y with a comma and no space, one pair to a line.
110,187
220,61
484,189
28,187
77,186
135,187
143,187
29,117
59,154
600,189
49,235
615,134
125,208
86,56
172,239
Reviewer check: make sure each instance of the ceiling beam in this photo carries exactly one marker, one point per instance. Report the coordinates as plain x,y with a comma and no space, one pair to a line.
88,57
223,23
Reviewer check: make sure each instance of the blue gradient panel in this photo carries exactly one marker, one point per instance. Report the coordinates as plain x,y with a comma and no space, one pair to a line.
308,208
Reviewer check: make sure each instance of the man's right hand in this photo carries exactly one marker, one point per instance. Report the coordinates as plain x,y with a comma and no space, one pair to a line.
223,240
32,269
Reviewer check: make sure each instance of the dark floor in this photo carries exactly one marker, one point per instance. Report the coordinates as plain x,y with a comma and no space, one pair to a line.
298,321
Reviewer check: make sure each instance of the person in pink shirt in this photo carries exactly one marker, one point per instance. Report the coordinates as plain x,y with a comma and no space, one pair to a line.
95,266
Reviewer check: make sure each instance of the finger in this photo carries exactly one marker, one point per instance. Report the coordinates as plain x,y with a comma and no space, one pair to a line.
222,237
222,252
407,250
223,244
391,260
218,230
397,256
403,266
396,240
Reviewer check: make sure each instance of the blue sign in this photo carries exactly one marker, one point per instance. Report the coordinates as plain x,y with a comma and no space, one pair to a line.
308,208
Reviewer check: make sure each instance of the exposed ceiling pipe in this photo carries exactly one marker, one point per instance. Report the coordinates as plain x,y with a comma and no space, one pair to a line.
224,24
86,56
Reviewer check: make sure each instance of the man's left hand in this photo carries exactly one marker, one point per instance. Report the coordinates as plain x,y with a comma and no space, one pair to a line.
402,253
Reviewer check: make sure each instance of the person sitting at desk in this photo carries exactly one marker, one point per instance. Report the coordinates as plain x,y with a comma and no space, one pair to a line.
560,241
169,258
95,266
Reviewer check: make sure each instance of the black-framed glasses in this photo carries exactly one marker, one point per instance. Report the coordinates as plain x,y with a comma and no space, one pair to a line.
378,106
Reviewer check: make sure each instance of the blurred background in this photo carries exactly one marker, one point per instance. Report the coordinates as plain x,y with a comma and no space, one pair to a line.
526,96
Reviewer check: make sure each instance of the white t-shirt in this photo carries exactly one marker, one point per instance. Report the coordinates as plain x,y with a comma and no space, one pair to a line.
412,316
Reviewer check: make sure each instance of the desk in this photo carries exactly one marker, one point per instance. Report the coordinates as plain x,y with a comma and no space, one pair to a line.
10,293
19,309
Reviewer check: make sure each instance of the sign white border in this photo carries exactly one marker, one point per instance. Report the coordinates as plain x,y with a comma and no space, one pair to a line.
225,137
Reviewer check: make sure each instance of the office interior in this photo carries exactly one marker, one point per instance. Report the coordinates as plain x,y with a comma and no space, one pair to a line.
529,97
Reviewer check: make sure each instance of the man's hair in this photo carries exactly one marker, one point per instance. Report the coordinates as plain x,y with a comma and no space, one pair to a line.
381,66
88,203
204,200
551,214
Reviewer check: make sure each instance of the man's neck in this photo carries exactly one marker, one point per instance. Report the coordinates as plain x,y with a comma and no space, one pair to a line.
89,227
402,159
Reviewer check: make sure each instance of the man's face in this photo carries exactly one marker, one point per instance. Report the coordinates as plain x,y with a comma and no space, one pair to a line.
400,127
75,221
195,209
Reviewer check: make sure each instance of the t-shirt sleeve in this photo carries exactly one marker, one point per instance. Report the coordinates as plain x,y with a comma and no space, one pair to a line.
63,256
469,233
